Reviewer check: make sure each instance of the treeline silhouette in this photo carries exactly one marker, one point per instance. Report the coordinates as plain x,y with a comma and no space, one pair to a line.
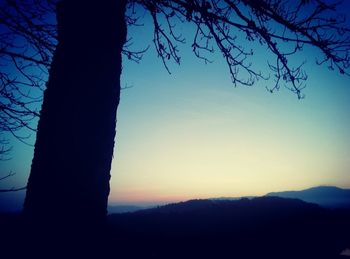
264,227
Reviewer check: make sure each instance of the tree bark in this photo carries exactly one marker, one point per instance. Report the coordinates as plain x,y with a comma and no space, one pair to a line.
70,172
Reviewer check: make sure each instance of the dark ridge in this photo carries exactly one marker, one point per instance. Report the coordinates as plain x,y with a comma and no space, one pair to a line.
123,208
263,227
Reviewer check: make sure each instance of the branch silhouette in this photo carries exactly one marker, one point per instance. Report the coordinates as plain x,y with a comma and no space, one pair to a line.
83,58
282,26
28,39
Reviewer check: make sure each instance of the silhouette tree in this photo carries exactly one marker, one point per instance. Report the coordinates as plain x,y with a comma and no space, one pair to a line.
75,136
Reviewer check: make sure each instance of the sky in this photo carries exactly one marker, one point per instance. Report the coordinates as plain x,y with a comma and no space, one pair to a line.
192,134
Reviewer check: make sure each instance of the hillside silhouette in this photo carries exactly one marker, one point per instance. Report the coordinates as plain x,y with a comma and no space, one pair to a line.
263,227
123,208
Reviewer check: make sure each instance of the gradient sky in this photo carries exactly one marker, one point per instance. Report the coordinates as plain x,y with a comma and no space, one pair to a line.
192,134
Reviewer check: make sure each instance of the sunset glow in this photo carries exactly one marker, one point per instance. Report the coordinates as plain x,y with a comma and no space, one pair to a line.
192,134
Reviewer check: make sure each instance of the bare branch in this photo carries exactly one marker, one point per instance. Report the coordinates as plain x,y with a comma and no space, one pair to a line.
284,27
13,189
28,37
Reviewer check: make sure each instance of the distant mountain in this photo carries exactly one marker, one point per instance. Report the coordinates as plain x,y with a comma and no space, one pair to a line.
326,196
242,205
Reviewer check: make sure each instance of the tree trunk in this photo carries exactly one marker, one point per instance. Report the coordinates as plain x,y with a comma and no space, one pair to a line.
69,179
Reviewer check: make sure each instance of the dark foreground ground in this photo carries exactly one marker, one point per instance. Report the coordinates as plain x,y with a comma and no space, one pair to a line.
266,227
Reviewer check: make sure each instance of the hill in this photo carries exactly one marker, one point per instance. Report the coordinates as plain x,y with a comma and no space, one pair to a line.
263,227
326,196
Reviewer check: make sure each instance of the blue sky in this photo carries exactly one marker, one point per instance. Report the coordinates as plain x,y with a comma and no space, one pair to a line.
192,134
